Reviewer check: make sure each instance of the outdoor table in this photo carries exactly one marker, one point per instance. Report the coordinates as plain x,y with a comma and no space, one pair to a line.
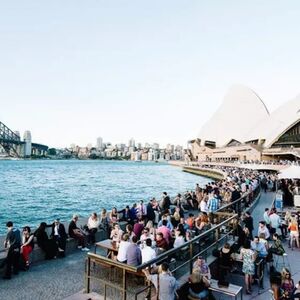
232,289
109,245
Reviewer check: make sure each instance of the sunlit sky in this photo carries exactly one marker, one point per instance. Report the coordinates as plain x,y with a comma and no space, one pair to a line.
71,71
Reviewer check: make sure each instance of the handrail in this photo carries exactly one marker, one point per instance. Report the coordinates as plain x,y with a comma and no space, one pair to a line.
195,239
232,204
193,248
212,238
162,255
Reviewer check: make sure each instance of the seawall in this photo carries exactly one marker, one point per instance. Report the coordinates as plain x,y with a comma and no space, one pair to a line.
211,173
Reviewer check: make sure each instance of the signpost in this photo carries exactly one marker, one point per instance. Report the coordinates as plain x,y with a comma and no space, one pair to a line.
279,202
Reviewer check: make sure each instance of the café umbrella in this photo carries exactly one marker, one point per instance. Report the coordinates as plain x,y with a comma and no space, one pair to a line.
291,172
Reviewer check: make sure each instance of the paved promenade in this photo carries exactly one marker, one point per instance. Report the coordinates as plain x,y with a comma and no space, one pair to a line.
54,280
266,200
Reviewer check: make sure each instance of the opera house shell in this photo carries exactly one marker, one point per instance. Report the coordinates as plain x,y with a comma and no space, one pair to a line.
244,124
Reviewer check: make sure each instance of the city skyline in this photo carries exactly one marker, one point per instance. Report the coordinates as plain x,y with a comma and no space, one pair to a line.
153,71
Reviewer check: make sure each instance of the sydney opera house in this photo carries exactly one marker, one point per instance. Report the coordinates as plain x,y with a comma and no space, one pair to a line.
243,129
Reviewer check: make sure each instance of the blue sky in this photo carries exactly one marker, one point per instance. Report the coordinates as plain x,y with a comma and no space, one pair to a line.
71,71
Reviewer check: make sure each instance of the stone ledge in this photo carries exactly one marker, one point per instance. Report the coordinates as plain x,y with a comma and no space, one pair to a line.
38,255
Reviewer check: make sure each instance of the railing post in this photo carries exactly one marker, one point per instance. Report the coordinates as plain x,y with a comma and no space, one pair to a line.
191,258
87,275
124,285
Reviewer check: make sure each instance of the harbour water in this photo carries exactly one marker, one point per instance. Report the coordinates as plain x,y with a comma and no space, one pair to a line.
41,190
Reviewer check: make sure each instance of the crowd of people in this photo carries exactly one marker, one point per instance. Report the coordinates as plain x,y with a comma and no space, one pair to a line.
159,225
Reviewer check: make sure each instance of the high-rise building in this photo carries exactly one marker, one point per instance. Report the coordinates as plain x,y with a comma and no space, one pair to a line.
99,143
155,146
170,148
131,143
28,144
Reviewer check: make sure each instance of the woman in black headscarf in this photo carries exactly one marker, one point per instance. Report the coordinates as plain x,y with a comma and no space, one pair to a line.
49,246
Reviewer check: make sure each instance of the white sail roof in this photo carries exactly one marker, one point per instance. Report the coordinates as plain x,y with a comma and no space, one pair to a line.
280,121
236,118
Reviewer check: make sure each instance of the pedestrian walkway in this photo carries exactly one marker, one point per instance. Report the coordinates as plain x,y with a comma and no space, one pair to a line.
54,280
266,200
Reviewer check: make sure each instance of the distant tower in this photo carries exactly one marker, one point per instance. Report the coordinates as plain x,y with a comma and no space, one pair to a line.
27,140
99,143
131,143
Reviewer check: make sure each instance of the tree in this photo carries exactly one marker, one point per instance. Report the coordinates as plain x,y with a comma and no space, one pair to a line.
51,151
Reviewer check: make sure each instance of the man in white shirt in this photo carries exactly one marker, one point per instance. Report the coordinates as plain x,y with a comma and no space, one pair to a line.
148,253
203,206
275,221
266,217
262,228
122,251
142,209
164,282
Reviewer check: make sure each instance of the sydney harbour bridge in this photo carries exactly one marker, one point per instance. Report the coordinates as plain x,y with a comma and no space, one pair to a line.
12,144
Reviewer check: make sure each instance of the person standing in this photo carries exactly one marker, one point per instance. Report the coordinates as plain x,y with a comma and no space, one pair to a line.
142,210
267,218
262,228
212,206
150,211
164,282
165,202
294,232
248,221
248,256
13,244
275,221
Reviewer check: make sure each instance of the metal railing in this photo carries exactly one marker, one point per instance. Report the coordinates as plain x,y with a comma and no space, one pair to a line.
185,255
114,275
242,204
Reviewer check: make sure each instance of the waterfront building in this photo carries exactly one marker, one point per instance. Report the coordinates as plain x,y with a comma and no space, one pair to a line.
151,154
120,146
155,146
144,155
131,150
243,129
131,143
99,143
170,148
28,143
